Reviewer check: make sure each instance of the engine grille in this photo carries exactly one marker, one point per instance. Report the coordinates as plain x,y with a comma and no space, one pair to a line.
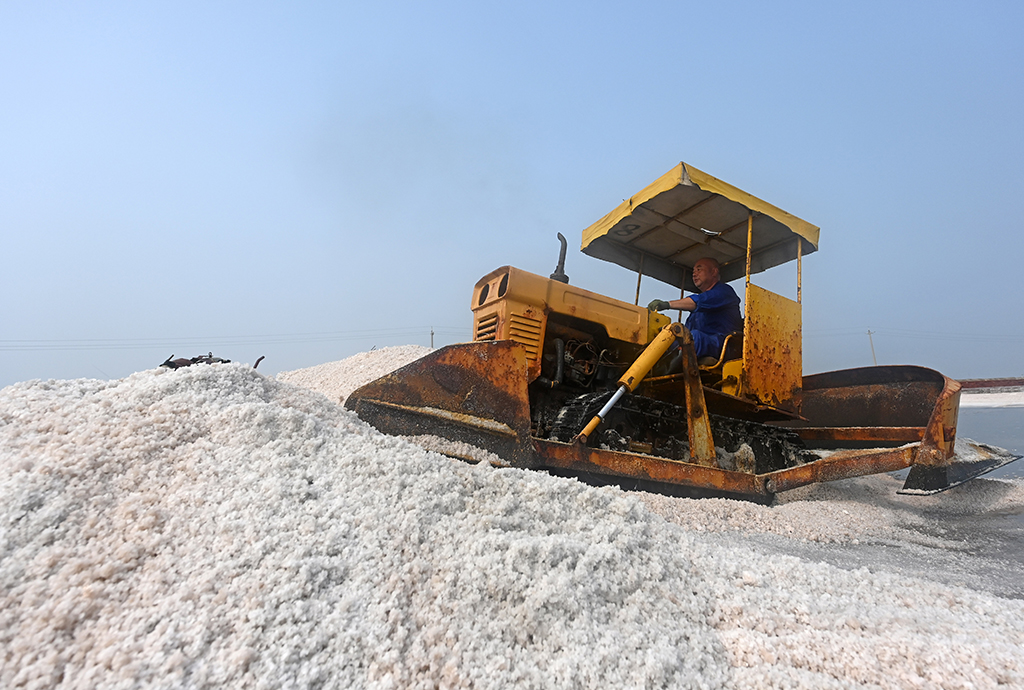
521,329
525,330
487,328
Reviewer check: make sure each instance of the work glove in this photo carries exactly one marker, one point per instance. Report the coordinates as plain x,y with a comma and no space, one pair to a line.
659,305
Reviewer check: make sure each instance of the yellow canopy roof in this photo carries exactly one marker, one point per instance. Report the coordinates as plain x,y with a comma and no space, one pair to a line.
686,215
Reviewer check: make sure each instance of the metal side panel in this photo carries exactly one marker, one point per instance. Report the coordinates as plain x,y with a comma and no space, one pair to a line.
772,352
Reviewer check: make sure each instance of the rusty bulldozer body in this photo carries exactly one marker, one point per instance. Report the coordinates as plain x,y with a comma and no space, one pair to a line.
573,382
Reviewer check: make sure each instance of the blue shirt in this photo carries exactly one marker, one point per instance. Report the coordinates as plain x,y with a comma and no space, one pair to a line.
716,316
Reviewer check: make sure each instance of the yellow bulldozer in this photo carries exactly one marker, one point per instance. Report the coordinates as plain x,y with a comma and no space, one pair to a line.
576,383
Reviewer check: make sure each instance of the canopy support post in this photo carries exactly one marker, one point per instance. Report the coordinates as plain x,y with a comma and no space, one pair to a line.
750,242
682,293
639,277
799,267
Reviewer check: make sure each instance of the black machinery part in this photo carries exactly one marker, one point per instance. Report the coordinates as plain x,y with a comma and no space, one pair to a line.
643,425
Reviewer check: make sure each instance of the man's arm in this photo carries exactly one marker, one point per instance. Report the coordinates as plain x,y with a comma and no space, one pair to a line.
686,304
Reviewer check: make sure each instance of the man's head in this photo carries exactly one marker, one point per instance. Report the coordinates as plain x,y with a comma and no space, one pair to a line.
705,273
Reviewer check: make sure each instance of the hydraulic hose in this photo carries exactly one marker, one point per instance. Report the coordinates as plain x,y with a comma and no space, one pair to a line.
635,374
559,366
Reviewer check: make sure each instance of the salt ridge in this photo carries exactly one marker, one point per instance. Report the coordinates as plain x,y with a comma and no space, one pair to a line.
999,399
337,380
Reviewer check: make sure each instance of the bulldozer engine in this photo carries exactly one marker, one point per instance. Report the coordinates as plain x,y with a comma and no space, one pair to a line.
601,335
576,341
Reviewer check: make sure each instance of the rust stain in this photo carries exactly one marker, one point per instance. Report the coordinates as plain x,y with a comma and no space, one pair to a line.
841,465
580,458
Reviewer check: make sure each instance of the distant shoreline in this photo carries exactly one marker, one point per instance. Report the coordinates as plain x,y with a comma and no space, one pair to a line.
988,385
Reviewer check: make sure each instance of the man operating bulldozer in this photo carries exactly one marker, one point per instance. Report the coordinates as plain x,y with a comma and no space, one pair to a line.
714,311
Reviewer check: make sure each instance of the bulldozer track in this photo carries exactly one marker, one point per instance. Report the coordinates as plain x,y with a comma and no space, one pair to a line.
653,427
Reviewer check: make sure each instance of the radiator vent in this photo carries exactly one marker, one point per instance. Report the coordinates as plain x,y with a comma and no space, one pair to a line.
525,330
487,328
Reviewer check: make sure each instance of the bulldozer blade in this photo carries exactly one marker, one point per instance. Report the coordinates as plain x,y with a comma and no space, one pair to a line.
474,393
971,459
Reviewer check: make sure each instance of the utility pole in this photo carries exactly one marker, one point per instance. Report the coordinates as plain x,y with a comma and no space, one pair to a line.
870,340
431,337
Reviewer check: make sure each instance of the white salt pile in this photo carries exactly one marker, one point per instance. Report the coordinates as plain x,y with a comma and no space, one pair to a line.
337,379
210,527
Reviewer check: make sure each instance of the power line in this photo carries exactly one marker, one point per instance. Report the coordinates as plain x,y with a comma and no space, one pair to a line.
462,333
39,345
918,335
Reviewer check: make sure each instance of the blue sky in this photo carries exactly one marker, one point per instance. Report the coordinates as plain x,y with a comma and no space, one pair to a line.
309,182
